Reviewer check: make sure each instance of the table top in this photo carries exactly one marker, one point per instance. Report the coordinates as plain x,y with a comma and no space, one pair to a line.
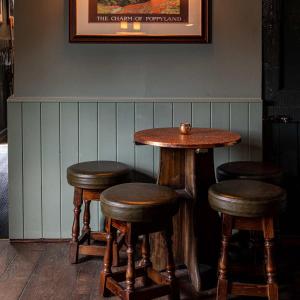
199,138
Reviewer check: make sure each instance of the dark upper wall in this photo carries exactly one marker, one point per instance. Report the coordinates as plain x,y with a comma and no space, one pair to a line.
47,65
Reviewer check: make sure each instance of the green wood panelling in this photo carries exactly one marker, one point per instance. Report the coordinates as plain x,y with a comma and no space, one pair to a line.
88,147
255,131
239,122
163,117
220,118
44,139
107,137
107,131
69,155
182,112
201,115
32,170
50,170
144,154
125,131
15,174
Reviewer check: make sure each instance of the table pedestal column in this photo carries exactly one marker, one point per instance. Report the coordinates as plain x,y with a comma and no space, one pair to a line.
196,226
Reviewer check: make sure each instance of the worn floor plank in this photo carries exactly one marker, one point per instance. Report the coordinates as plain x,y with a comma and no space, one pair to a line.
19,270
33,271
53,278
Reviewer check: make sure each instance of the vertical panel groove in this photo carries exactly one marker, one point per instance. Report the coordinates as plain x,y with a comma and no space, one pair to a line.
97,155
211,114
129,117
229,150
88,145
69,146
59,137
153,153
32,170
79,126
22,135
41,164
116,137
134,129
249,126
144,154
15,173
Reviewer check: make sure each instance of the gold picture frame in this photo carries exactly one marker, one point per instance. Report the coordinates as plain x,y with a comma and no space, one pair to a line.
139,21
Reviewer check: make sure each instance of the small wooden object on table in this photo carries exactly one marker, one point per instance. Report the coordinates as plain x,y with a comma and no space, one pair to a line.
187,165
247,205
89,180
139,209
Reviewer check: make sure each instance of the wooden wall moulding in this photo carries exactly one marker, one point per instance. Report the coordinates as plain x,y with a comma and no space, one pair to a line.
139,21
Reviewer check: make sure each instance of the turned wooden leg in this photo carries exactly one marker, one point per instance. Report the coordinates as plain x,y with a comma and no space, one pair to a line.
115,247
86,216
171,264
268,228
107,261
116,257
130,272
73,253
145,261
222,290
86,220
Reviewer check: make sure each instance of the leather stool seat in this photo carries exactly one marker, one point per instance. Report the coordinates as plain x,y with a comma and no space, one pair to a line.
89,180
139,202
97,175
247,198
139,209
253,206
253,170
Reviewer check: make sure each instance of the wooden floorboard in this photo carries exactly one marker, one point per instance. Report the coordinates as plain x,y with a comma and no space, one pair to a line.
3,137
33,271
18,269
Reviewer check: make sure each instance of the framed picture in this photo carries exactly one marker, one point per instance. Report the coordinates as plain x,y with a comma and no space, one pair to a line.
1,11
139,21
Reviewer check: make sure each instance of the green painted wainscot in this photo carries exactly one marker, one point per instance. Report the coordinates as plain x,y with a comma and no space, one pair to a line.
48,135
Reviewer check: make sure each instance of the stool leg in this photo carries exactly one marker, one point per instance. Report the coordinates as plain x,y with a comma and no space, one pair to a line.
268,228
116,256
86,220
73,253
130,272
115,247
222,290
145,261
107,262
175,294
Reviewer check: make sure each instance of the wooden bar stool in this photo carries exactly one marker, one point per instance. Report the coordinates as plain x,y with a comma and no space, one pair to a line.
253,170
89,180
247,205
139,209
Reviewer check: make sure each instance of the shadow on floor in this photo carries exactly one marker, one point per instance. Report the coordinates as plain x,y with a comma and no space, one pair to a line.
42,271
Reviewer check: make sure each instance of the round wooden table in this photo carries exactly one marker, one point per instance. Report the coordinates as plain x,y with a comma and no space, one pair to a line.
187,165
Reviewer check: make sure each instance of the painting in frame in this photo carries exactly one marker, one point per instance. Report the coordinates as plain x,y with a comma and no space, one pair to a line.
139,21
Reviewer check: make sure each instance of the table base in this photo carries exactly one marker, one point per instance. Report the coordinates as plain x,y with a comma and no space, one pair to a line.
197,227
